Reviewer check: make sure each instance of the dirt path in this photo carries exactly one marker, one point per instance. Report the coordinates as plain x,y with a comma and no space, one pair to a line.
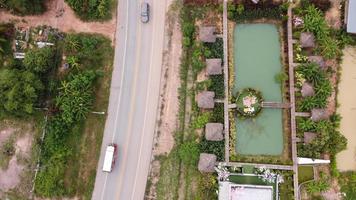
66,22
346,159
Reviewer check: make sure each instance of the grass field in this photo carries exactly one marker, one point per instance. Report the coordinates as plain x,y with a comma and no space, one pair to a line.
305,173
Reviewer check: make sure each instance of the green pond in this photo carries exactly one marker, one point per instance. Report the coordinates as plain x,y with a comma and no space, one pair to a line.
257,60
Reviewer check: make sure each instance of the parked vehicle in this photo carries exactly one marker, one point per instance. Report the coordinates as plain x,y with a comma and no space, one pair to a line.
110,157
145,12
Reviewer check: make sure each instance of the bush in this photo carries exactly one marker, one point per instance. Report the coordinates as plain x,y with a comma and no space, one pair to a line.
347,182
201,120
213,147
217,85
25,7
39,60
319,185
91,9
189,153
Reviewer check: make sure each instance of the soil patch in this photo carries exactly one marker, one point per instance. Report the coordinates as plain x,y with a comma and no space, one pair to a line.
333,14
60,15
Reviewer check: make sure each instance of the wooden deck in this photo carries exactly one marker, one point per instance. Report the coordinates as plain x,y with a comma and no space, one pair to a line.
267,104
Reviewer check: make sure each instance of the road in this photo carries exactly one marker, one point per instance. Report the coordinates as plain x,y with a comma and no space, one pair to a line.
133,101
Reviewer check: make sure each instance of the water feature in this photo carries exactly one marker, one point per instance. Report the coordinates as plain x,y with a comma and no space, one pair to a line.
257,60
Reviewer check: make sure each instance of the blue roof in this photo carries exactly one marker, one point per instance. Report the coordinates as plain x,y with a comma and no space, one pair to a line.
351,18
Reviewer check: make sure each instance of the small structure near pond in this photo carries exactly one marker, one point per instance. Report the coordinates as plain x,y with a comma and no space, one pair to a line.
207,162
318,60
207,34
214,131
309,137
307,40
205,99
318,114
213,66
249,102
307,90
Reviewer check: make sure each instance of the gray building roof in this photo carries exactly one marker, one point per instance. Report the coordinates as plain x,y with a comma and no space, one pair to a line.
307,40
318,60
351,16
207,34
213,66
307,90
318,114
205,99
207,162
214,131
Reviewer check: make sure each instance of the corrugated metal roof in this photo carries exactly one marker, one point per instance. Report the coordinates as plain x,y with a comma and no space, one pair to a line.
351,18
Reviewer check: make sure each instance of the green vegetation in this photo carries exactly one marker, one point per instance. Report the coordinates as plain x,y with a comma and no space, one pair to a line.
24,7
322,86
242,13
347,182
305,173
72,101
217,86
329,139
178,169
92,9
320,185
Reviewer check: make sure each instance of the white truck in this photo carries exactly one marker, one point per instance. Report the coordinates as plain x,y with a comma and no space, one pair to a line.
110,156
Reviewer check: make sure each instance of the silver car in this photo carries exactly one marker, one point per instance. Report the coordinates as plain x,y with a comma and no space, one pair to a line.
145,12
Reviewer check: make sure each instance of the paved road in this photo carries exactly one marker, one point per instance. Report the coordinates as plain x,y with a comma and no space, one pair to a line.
133,101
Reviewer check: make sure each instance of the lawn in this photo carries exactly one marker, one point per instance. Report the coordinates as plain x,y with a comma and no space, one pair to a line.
305,173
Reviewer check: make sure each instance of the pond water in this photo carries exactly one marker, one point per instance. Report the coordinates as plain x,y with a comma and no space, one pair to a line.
257,60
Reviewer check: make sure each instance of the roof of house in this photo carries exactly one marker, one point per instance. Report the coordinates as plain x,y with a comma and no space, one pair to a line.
213,66
318,60
318,114
307,40
205,99
207,162
309,137
351,17
214,131
307,90
207,34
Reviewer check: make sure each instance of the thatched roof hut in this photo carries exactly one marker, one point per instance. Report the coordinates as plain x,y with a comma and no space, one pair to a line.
214,131
205,99
213,66
318,60
307,40
207,34
307,90
207,162
309,137
318,114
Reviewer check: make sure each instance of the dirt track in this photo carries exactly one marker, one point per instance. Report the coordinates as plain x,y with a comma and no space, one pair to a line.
65,22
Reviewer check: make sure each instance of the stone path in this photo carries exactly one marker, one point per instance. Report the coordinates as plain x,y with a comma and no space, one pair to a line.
292,102
226,85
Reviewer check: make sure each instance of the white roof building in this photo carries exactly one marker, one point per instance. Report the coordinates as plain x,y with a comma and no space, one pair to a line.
351,16
231,191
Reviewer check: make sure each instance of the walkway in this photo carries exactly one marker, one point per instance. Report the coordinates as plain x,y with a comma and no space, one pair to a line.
226,85
267,104
257,165
292,102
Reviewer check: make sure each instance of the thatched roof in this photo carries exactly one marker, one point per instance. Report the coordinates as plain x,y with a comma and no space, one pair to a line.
205,99
214,131
213,66
318,114
318,60
307,90
207,34
207,162
309,137
307,40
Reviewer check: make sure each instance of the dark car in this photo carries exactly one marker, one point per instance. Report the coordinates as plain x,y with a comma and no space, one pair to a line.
145,12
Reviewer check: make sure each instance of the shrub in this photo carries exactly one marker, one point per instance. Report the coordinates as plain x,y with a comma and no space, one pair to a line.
319,185
39,60
189,153
217,85
347,182
25,7
213,147
91,9
201,120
